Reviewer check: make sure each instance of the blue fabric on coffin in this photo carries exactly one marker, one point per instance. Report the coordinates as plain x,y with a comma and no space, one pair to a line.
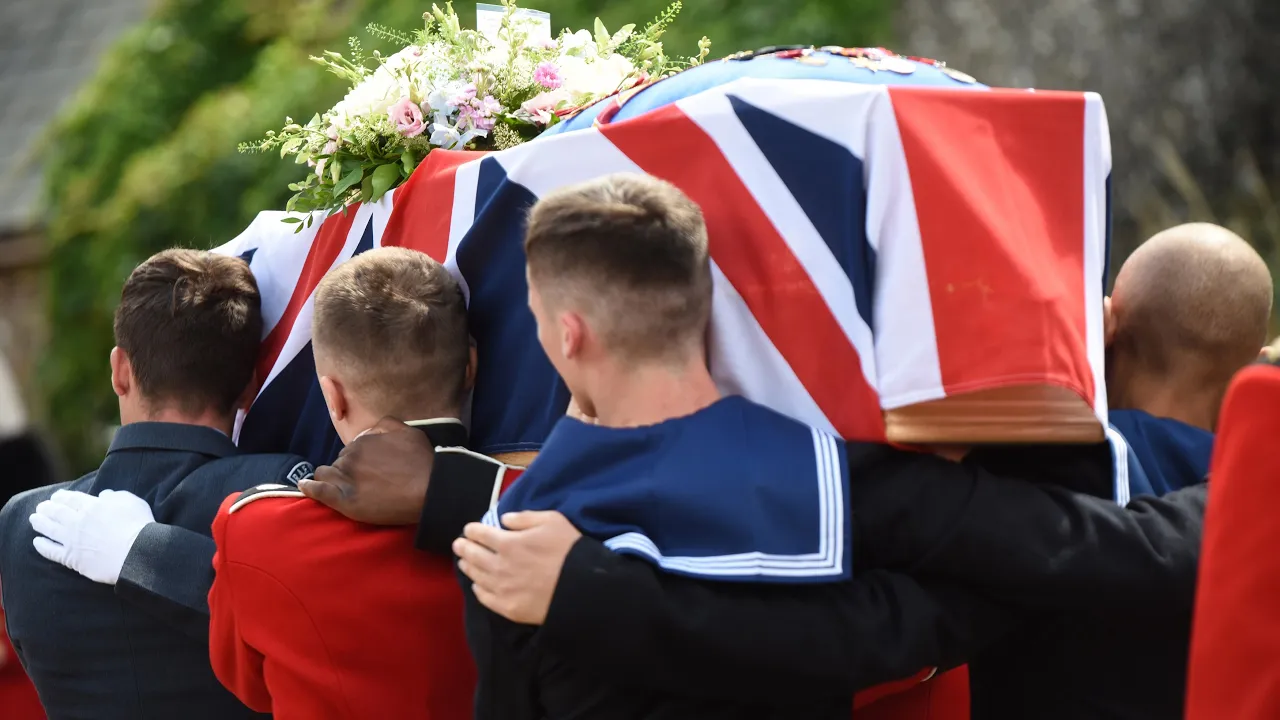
733,492
719,72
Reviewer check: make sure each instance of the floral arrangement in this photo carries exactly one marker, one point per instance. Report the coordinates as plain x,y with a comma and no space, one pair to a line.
455,88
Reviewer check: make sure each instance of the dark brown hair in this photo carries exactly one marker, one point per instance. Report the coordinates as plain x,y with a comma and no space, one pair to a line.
190,322
396,321
629,251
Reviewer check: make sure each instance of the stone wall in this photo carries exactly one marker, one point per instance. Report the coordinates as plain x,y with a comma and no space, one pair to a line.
22,319
1189,85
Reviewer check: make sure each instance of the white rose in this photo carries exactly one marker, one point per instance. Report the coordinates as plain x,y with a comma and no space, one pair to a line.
372,96
580,43
595,79
619,66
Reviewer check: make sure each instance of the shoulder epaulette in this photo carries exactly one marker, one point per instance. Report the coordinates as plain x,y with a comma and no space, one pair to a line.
270,490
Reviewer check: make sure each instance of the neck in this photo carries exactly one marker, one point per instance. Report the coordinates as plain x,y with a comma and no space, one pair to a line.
210,419
649,394
1196,404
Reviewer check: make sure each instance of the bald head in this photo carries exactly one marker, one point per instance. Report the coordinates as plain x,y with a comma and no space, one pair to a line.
1193,299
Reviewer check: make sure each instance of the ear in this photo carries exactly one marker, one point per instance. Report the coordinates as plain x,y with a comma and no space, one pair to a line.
121,372
472,361
1108,322
246,398
335,398
573,333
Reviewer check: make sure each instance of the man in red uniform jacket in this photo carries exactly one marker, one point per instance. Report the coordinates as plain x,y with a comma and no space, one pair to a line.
312,615
1235,641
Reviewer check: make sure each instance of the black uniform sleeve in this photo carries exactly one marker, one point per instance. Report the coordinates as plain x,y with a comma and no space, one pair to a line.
506,662
462,487
168,573
1037,546
757,641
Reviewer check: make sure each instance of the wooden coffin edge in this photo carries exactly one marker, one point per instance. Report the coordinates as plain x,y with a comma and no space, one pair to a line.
1018,414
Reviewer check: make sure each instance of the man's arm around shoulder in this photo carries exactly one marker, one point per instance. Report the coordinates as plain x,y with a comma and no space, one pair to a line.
764,642
169,570
1035,545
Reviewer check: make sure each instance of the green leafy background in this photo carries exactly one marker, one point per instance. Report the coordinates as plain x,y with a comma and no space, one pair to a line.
146,158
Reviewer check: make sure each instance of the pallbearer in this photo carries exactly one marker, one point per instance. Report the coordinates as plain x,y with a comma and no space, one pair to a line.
187,332
727,493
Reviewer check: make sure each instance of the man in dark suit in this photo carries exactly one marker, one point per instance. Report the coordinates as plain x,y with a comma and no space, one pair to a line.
187,332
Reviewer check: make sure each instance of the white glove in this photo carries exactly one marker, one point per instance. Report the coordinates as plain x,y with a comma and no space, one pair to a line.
90,535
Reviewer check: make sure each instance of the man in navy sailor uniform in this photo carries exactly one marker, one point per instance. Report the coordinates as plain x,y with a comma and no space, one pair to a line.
725,491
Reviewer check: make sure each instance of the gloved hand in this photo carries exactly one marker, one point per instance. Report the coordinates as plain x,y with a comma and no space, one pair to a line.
90,535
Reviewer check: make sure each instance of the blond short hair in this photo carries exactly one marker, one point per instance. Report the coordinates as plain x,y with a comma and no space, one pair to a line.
629,251
395,321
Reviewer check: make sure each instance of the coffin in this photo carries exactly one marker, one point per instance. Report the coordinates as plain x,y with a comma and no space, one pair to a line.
898,256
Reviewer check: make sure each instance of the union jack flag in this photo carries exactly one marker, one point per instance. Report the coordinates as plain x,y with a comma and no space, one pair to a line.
874,246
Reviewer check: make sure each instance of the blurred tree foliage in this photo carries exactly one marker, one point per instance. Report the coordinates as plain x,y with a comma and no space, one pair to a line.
145,157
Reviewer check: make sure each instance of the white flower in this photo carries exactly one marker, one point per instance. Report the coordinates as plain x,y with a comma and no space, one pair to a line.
581,43
372,96
447,137
594,79
444,136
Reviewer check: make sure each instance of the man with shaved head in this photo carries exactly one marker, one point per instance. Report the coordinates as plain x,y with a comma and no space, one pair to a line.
1189,309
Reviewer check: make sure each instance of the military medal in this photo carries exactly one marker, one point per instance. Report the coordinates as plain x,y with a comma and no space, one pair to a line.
808,58
897,65
957,75
865,63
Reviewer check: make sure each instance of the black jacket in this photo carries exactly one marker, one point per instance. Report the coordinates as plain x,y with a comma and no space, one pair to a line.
90,655
993,550
1126,661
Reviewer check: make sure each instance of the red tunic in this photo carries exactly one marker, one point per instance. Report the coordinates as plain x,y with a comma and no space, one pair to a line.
314,616
1235,641
941,697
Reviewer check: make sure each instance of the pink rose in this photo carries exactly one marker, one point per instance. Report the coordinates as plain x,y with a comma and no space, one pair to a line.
331,147
407,117
548,75
543,106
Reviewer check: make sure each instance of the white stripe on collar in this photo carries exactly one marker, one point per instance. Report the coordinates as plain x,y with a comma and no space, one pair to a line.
434,421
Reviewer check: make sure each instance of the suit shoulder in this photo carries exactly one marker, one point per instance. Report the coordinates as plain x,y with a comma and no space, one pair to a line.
24,503
241,472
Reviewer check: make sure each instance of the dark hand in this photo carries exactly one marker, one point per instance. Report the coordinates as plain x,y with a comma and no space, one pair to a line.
380,478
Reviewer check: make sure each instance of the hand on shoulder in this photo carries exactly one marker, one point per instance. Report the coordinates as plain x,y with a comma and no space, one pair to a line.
515,571
380,478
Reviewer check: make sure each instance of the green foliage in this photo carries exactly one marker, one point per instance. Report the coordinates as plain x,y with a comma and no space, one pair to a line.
145,158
